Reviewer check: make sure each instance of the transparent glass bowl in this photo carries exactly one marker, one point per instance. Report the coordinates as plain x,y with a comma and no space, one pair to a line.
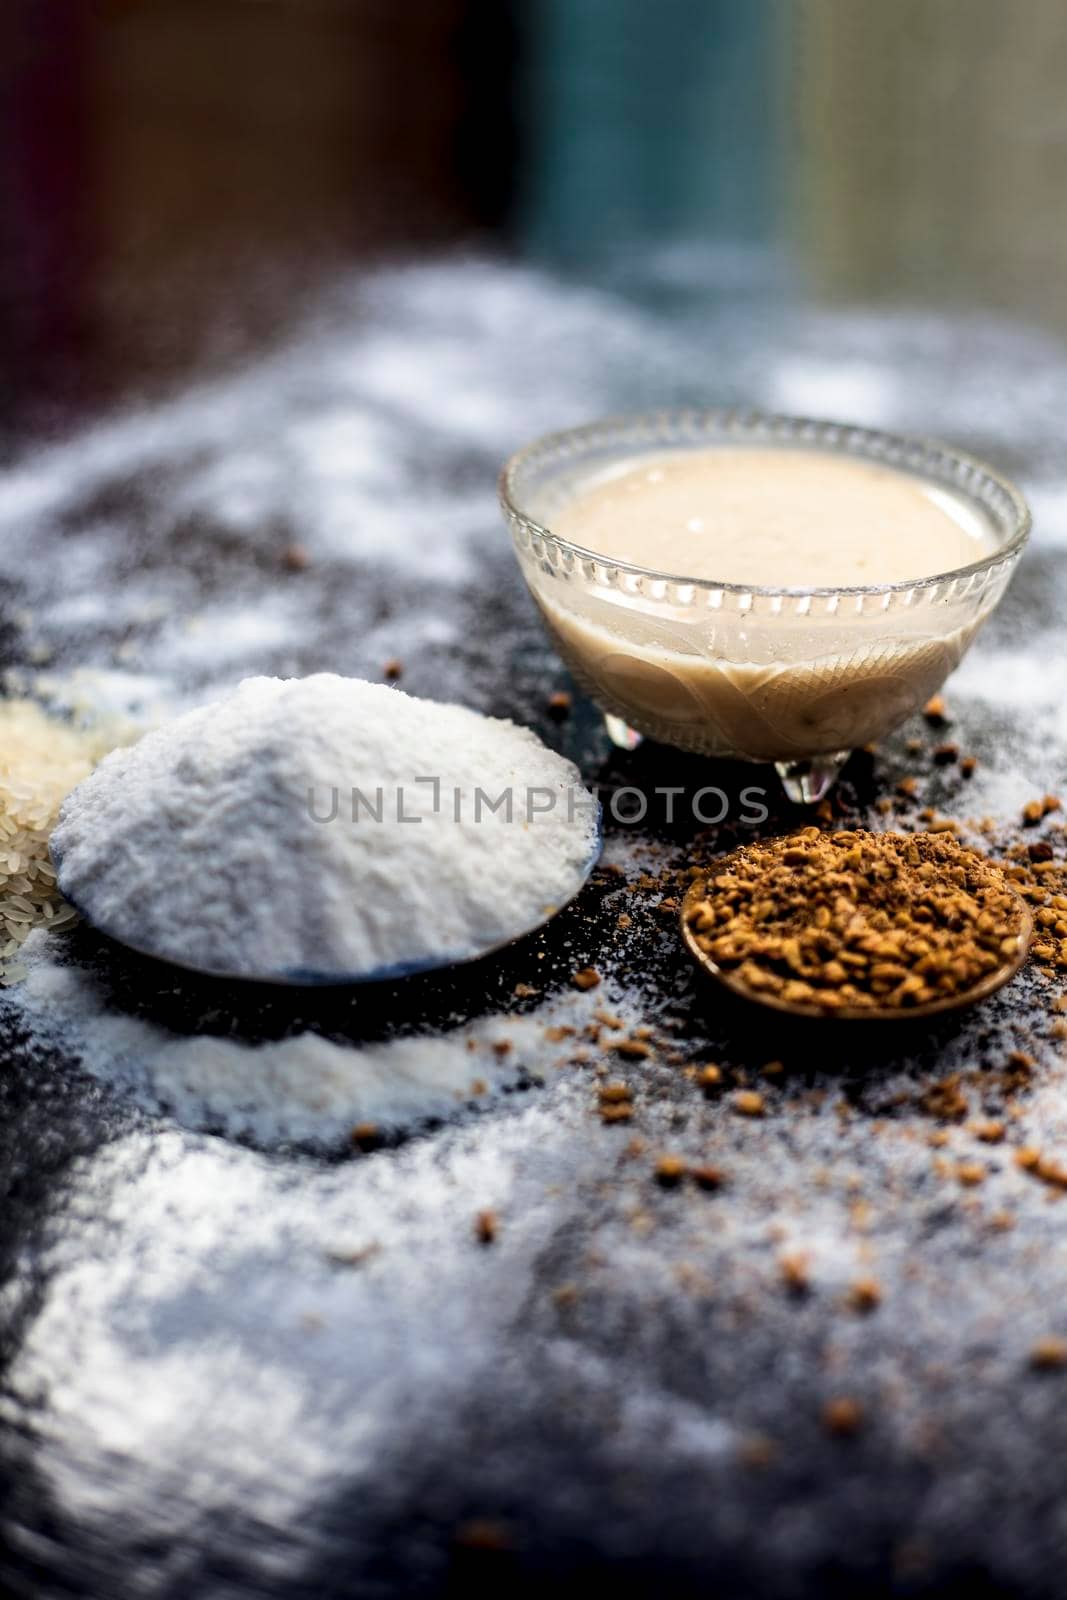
797,677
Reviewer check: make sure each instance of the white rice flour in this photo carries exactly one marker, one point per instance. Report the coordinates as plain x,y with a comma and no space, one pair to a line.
325,828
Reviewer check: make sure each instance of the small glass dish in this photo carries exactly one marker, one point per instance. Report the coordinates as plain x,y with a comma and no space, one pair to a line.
797,677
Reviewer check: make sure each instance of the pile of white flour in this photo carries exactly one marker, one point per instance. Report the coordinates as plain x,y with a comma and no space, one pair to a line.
323,829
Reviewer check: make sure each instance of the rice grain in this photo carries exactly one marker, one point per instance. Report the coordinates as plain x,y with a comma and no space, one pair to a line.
41,761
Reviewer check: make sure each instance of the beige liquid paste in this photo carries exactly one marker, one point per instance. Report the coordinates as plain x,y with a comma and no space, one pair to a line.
765,683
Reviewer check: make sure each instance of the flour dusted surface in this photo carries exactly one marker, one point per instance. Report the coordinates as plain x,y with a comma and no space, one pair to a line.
230,840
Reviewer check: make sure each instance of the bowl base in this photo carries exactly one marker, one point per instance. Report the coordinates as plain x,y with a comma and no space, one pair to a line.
620,733
807,782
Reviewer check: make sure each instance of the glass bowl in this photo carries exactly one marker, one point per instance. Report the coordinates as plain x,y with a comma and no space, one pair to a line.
797,677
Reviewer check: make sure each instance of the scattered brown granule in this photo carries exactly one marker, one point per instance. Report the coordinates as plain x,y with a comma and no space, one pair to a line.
1040,850
756,1451
989,1132
1021,1059
708,1177
624,920
1051,802
613,1094
908,787
586,978
1051,1173
566,1294
794,1267
1049,1354
1032,813
865,1294
621,1111
710,1077
366,1136
1047,1168
479,1087
842,1416
970,1173
635,1147
945,1100
670,1170
1028,1158
486,1227
556,1034
773,1069
559,704
939,1138
483,1533
1001,1221
501,1047
935,711
525,991
968,765
914,747
855,920
393,669
631,1049
295,558
945,754
749,1102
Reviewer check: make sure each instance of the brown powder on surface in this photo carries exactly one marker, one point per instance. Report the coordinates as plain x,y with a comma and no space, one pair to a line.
795,1270
670,1170
842,1416
295,558
865,1295
486,1227
1049,1354
856,920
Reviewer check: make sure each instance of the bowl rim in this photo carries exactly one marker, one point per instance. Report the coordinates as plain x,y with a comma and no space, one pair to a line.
835,438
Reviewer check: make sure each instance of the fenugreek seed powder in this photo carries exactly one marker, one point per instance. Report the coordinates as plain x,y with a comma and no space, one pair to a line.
857,921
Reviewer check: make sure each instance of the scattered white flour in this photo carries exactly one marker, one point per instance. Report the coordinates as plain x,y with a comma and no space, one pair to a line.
304,1089
325,828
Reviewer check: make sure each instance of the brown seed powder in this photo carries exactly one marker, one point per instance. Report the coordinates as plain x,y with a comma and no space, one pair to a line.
856,920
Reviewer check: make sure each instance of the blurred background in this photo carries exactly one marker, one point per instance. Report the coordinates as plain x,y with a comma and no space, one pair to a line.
177,176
